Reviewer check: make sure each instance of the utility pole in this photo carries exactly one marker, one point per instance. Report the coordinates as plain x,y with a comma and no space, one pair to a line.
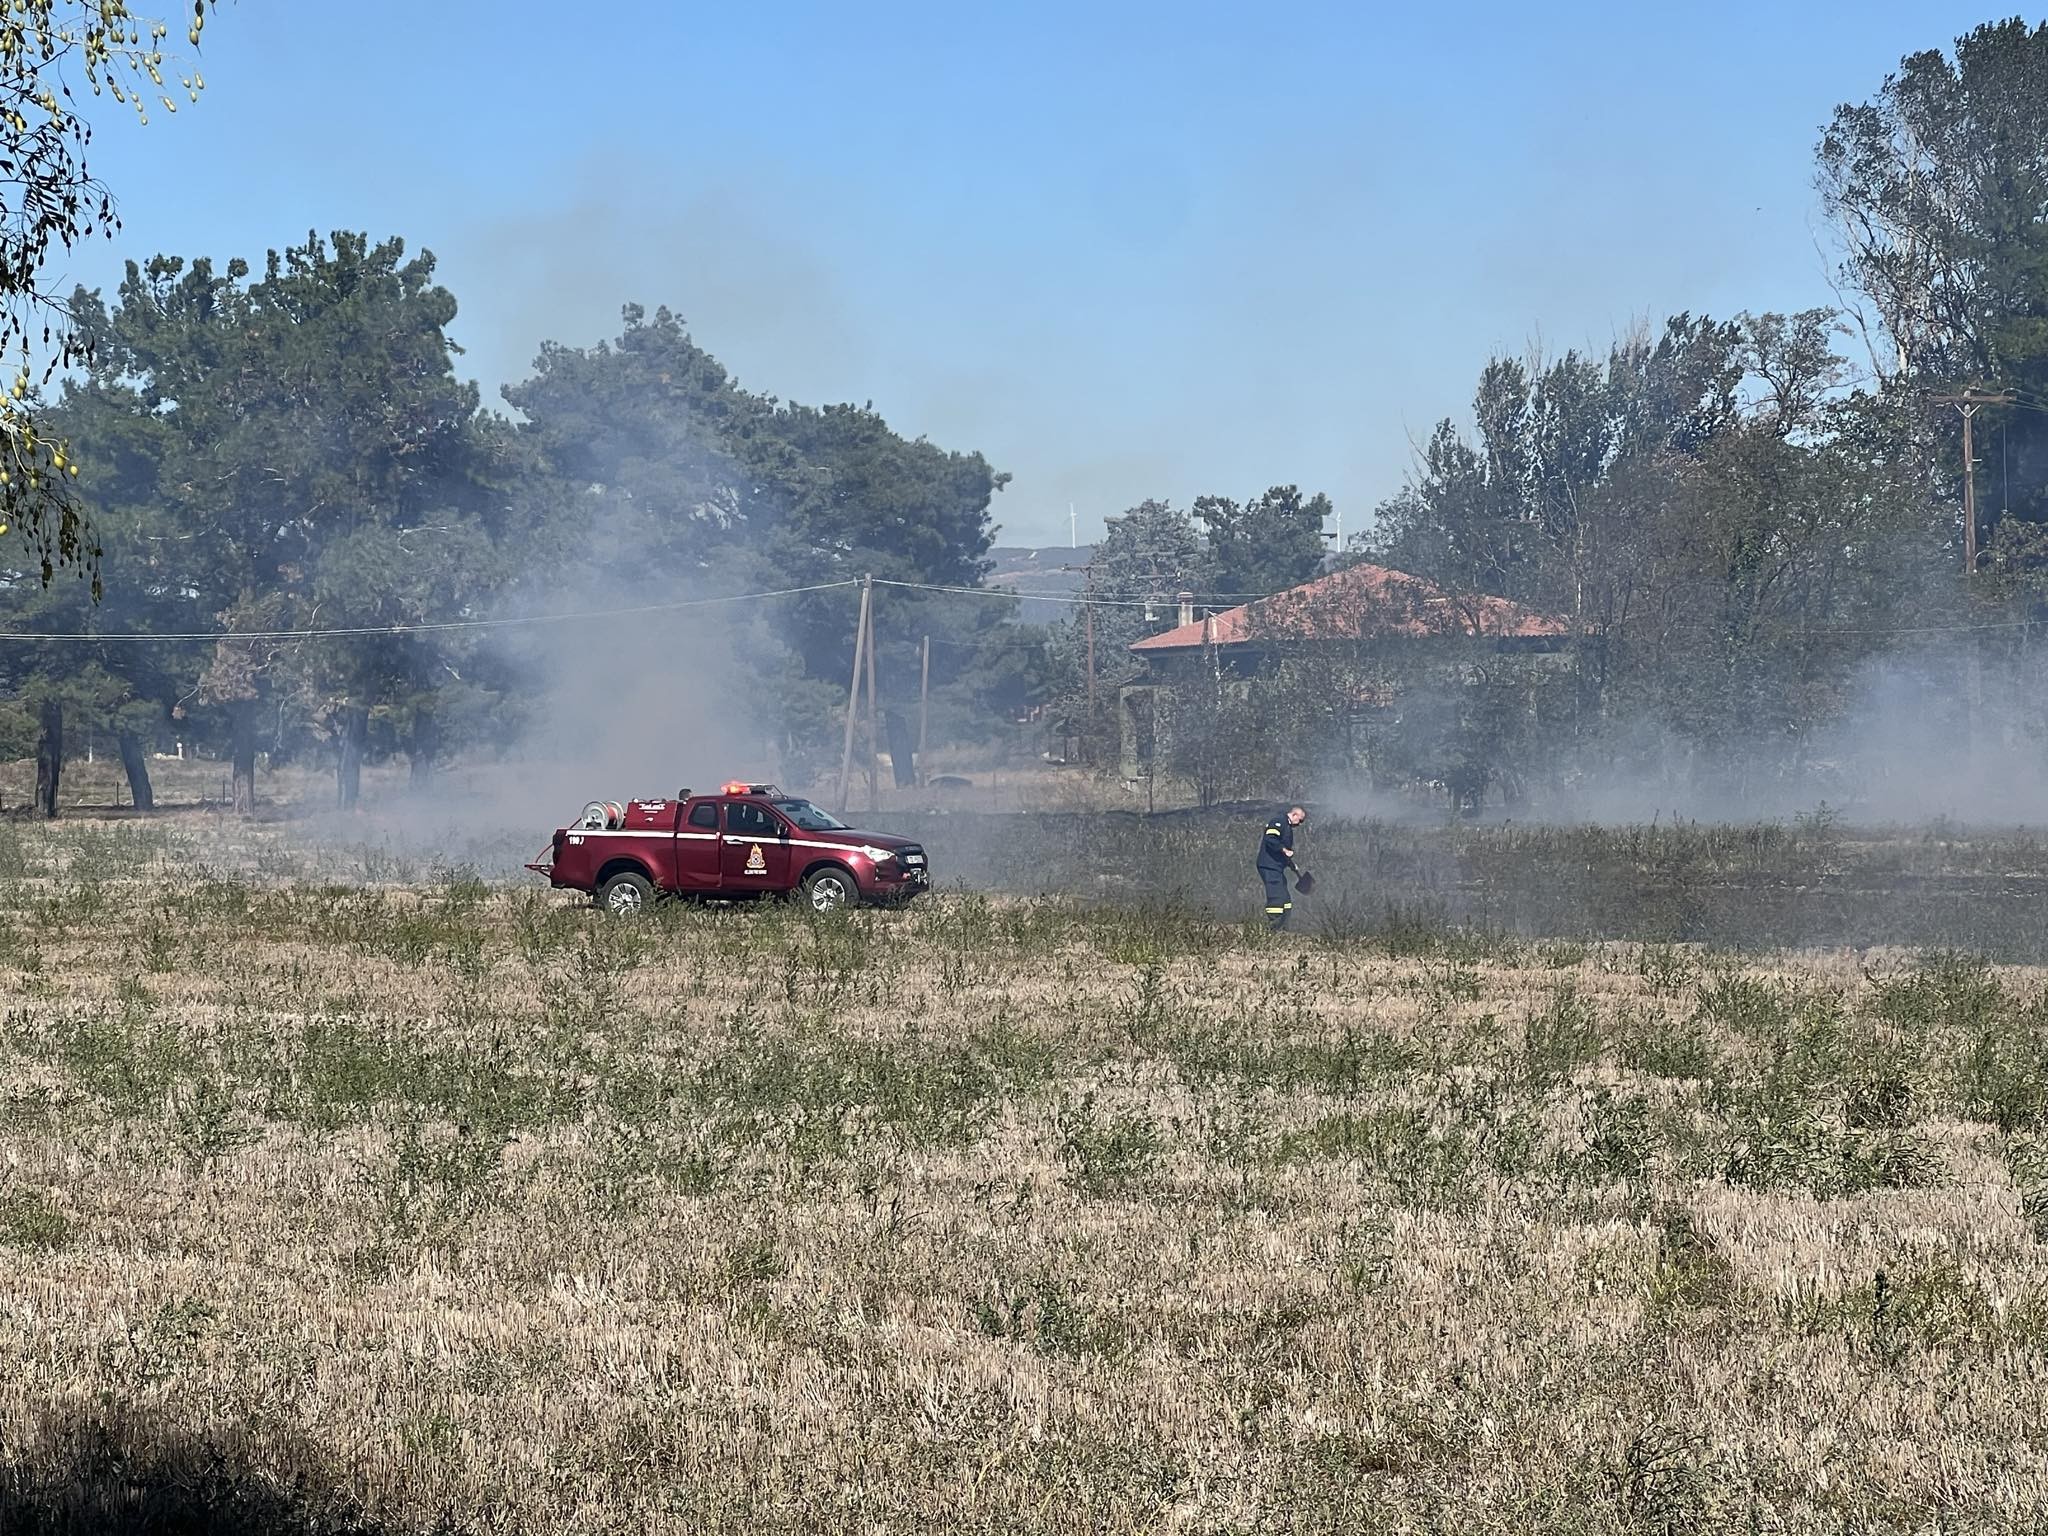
1088,621
874,735
924,702
1088,629
1073,529
860,640
1969,402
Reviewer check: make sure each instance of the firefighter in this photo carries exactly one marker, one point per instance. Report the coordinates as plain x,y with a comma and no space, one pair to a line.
1276,858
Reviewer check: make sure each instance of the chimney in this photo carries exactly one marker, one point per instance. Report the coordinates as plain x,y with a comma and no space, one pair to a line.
1187,607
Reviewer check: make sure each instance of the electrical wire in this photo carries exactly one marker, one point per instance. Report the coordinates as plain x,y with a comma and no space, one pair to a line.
1082,600
438,627
459,625
1072,599
687,604
1099,602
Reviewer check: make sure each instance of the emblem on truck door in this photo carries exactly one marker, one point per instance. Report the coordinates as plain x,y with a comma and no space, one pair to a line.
756,865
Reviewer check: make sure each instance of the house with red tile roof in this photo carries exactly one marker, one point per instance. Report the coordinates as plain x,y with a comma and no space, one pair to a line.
1360,602
1367,632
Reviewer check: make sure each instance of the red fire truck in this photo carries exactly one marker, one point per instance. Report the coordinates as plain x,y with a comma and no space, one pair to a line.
748,840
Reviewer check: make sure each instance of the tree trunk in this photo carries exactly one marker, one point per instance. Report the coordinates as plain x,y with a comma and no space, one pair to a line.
137,765
242,718
348,757
420,753
49,758
902,748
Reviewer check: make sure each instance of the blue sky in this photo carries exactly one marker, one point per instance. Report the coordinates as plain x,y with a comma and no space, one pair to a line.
1124,250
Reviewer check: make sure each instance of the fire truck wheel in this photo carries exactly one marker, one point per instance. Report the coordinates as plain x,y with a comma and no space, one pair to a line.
626,895
829,890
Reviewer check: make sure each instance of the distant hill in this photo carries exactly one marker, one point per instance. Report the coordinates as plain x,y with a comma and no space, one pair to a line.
1039,570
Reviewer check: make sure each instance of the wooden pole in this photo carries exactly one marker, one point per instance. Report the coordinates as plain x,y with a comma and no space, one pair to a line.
1088,618
1969,402
1088,628
860,639
874,735
1969,494
924,703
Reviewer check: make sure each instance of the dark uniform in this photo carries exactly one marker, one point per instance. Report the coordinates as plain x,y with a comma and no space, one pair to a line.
1276,848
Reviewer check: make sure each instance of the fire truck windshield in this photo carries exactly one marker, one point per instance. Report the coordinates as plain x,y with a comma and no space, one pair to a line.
808,816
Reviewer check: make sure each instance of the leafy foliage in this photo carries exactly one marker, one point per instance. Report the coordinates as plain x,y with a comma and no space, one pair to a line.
52,204
1938,185
1265,545
288,448
299,454
690,484
1732,519
1701,509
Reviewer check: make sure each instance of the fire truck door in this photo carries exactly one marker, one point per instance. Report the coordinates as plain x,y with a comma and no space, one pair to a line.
756,848
697,848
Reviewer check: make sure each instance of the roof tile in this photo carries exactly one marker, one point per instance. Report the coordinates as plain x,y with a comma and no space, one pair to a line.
1356,603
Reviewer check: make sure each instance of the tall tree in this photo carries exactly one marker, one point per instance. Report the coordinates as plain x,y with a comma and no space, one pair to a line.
1148,555
836,493
1939,189
1708,509
697,488
1264,545
393,480
127,690
635,431
322,467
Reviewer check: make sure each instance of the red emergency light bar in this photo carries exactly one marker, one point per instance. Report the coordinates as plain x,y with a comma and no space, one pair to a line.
749,789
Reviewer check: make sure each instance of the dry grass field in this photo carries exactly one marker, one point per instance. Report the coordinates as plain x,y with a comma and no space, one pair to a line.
333,1200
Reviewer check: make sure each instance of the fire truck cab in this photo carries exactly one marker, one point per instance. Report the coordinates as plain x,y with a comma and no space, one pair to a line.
745,842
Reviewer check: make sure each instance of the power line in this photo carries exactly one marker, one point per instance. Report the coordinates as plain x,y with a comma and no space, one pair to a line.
1072,599
1891,629
438,627
684,605
1019,640
1165,599
1888,629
